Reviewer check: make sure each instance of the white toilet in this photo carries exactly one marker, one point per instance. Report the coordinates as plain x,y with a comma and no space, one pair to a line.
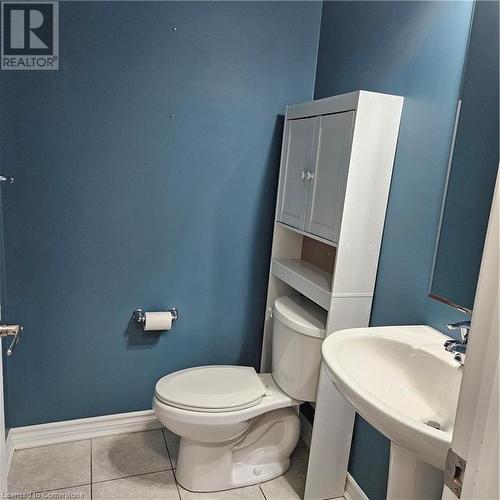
238,427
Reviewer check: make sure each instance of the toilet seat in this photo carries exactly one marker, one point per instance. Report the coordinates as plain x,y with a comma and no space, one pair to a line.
274,399
211,389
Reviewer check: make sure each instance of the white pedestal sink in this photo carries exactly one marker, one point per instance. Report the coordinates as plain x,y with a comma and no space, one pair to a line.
402,381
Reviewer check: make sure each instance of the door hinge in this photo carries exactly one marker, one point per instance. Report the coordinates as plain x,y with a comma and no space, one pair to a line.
454,472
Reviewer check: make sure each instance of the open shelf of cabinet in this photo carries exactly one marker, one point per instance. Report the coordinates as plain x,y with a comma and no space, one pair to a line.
306,278
305,233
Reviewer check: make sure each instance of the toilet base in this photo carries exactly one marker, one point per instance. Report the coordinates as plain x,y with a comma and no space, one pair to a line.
248,474
261,454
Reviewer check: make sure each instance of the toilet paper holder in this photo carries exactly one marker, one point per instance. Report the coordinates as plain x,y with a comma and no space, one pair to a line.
139,316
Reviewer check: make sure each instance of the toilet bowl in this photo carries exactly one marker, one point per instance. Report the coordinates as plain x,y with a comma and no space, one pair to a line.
238,427
232,446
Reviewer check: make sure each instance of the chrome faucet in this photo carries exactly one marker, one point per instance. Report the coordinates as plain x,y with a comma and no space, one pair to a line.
459,347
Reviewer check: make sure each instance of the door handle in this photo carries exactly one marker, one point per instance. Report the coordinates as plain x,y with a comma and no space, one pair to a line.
16,331
308,176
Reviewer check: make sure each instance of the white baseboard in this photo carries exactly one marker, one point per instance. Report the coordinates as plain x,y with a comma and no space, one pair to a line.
353,491
352,488
83,428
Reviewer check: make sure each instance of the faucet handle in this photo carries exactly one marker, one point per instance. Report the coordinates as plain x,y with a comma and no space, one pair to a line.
463,326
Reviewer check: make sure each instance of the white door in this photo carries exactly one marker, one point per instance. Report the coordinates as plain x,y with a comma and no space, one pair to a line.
476,435
12,332
3,454
330,175
299,142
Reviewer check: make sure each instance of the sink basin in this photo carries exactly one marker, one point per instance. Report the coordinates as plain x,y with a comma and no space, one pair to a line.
402,381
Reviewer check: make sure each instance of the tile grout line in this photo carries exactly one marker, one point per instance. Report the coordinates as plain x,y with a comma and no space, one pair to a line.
262,491
33,492
171,465
168,451
49,445
131,475
91,478
177,485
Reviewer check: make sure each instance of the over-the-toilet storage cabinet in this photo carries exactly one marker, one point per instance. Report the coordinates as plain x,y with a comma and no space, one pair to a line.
336,166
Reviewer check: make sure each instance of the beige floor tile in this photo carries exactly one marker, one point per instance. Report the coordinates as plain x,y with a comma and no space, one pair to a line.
247,493
289,486
173,445
77,493
50,467
160,485
129,454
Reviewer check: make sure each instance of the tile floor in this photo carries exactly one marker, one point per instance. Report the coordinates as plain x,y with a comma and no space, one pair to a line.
138,466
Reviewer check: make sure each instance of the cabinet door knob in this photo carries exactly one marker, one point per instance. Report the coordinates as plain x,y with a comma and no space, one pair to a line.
309,176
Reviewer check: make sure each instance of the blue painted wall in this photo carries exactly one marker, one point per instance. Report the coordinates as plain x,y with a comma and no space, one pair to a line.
414,49
117,204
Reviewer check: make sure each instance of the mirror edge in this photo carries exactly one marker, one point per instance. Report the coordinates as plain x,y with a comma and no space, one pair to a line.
434,296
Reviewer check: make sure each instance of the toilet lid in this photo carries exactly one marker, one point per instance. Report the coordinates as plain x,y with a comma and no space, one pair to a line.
215,388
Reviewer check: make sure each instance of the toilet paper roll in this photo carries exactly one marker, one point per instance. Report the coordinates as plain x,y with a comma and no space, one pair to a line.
158,321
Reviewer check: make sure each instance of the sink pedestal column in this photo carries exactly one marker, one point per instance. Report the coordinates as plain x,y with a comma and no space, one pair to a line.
412,479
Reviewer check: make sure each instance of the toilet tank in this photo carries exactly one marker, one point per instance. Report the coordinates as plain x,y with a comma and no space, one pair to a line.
298,332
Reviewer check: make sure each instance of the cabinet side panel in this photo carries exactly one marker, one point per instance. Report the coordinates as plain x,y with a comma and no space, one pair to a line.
348,312
330,444
281,181
370,170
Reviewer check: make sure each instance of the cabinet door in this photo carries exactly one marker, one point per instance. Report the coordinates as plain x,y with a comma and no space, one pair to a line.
299,138
326,200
